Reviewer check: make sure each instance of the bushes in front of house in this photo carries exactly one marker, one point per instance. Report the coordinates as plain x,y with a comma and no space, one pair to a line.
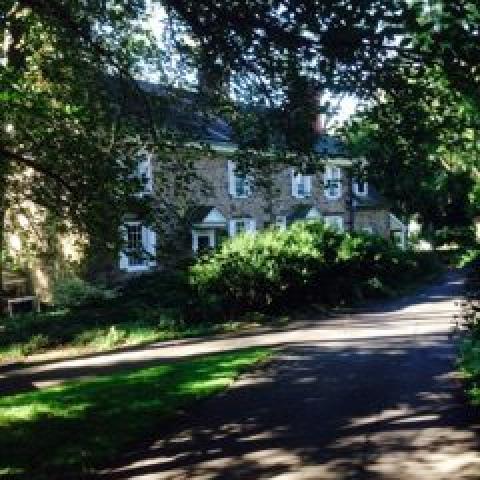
469,351
275,270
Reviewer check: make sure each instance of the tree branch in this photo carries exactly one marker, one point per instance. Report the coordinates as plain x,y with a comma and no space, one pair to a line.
28,162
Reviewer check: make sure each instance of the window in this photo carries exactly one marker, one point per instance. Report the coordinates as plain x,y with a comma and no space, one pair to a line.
399,239
281,222
301,185
144,173
332,182
360,188
140,247
203,240
368,230
335,222
239,184
241,225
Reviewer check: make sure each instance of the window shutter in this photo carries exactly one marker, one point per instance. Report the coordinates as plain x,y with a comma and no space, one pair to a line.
252,225
149,239
308,185
231,228
231,178
294,183
123,260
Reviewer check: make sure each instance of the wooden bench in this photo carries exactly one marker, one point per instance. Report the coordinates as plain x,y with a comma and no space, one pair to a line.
18,300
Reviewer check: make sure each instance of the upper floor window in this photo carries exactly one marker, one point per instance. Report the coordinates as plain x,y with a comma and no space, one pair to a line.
139,247
360,188
144,172
332,182
241,225
239,183
301,185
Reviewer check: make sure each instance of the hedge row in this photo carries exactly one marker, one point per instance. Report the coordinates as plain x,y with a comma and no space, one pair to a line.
275,270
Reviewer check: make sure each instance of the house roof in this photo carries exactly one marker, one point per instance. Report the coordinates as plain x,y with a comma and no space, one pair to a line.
303,212
183,113
206,216
372,200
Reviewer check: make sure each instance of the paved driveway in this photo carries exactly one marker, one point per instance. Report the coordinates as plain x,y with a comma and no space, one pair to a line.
371,396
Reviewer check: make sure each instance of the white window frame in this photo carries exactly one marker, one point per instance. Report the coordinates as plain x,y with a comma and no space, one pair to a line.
281,222
196,233
232,182
399,238
334,222
333,173
356,191
144,172
250,225
149,239
298,179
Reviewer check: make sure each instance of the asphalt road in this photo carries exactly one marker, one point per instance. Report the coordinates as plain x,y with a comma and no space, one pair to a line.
366,396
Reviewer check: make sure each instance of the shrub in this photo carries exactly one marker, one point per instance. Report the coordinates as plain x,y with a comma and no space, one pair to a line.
75,292
275,269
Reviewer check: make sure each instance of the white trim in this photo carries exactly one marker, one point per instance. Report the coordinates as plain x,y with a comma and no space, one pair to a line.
214,216
281,222
148,238
313,214
232,182
334,222
356,191
196,233
144,171
297,180
249,223
333,173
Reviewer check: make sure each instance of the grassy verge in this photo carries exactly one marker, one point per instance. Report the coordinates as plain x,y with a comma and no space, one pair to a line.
57,335
469,366
80,425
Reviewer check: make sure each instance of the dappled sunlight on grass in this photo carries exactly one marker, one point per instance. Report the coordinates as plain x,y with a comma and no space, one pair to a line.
84,423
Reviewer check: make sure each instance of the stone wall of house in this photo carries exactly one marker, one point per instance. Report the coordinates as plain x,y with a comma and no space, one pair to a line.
377,221
264,204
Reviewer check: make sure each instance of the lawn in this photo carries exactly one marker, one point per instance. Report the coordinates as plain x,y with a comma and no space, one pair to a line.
81,425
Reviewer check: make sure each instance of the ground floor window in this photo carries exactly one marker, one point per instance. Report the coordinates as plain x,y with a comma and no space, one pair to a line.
139,248
398,238
281,222
335,222
241,225
203,240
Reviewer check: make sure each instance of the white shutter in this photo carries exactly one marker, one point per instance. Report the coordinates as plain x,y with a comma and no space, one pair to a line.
294,183
308,185
149,239
252,225
231,228
123,260
332,174
231,178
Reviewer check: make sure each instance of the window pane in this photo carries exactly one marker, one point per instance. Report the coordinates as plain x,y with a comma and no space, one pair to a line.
203,242
135,245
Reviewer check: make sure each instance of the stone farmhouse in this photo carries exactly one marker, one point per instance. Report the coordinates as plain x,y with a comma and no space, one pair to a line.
235,203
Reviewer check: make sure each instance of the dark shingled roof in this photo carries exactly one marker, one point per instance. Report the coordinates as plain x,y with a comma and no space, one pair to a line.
330,145
182,113
372,200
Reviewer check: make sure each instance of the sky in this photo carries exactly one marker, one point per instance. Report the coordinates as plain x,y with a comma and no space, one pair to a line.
155,22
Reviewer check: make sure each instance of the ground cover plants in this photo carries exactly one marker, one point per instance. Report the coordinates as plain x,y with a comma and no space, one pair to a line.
269,274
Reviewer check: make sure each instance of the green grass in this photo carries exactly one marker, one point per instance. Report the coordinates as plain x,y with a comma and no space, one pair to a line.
96,331
80,425
469,367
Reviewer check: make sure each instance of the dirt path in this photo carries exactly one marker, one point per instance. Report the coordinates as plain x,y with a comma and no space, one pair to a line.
366,397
